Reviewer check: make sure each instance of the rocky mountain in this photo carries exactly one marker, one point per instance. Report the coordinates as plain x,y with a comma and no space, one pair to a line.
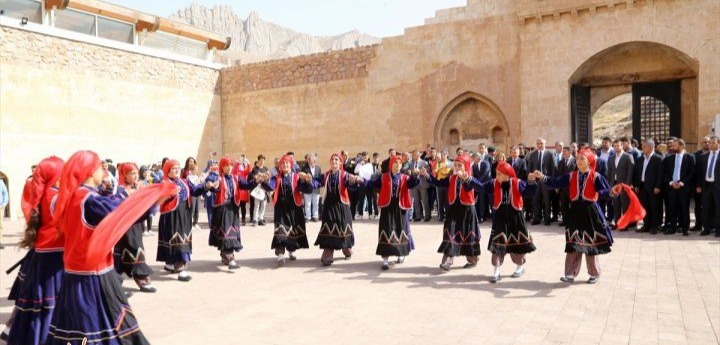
613,119
254,39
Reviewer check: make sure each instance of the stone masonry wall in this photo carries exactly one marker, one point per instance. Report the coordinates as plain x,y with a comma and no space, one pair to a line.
307,69
58,96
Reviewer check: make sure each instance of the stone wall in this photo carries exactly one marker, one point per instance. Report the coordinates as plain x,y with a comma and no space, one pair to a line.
58,96
516,57
308,69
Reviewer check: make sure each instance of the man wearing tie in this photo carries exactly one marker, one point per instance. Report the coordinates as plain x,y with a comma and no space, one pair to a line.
421,203
481,172
697,197
566,166
620,170
648,184
709,187
542,160
679,176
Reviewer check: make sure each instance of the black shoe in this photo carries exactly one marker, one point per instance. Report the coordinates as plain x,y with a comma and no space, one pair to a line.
445,266
261,223
705,233
495,279
553,219
653,231
547,222
643,229
2,246
426,220
469,265
416,219
314,220
593,280
696,228
670,231
385,266
717,234
685,232
3,335
562,223
535,222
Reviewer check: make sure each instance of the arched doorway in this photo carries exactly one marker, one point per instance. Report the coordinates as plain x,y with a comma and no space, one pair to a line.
613,118
662,82
471,119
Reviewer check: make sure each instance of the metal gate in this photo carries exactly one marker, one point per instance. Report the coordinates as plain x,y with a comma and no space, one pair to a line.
656,110
580,112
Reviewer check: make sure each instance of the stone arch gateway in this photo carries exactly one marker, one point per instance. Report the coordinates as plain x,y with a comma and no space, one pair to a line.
470,119
660,77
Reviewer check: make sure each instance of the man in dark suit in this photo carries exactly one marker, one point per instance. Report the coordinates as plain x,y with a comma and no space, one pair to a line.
620,170
679,177
481,172
605,153
566,166
698,179
648,181
542,160
312,199
385,165
709,186
520,166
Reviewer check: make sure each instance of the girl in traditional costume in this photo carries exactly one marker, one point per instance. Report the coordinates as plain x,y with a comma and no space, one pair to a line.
509,232
394,237
130,250
175,226
91,306
225,226
336,231
461,232
586,230
287,189
43,272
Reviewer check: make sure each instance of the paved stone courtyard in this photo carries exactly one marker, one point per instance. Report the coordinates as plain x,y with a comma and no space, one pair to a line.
654,290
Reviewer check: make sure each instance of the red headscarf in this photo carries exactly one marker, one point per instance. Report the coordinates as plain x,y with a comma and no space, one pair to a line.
339,157
168,165
465,159
285,158
224,162
506,169
79,167
592,159
46,174
125,168
393,159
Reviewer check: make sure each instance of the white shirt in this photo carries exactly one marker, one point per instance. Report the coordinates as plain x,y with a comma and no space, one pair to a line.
365,171
617,158
604,154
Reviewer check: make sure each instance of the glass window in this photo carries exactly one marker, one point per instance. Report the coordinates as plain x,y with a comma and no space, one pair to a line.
30,9
115,30
75,21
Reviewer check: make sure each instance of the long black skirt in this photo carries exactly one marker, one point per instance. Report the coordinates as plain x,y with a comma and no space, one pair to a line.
20,279
461,232
336,231
129,253
289,226
94,307
509,232
225,228
175,235
394,238
586,230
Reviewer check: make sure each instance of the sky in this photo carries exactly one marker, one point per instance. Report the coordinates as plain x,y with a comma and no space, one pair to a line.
381,18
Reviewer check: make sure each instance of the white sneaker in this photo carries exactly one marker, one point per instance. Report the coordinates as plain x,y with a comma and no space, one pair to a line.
184,276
